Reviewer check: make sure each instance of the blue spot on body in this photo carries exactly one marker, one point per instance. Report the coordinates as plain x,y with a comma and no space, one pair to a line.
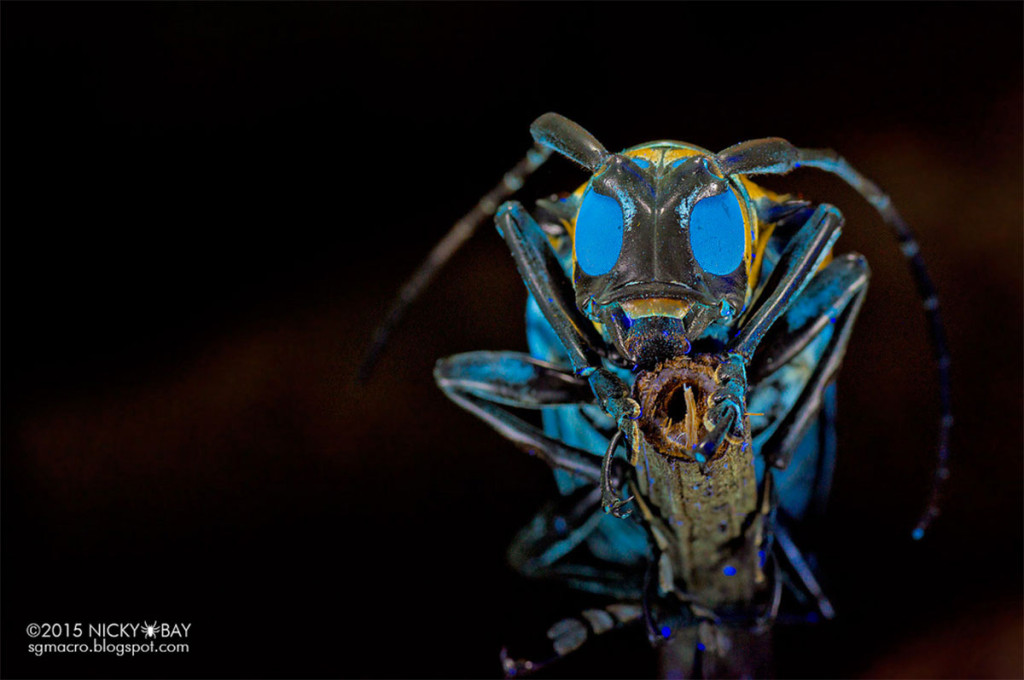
598,233
666,632
717,233
729,571
760,558
642,162
918,534
560,525
700,646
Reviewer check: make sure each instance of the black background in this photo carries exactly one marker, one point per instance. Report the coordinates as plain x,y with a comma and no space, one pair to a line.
206,209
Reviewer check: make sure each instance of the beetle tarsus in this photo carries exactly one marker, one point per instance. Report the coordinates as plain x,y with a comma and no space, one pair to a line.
609,502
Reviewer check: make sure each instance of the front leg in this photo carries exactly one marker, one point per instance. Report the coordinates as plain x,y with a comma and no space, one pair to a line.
547,283
538,267
801,259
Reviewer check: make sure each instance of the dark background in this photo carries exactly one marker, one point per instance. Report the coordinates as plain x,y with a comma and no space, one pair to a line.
206,209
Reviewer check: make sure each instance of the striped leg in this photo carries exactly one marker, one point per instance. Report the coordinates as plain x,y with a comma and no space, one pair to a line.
571,633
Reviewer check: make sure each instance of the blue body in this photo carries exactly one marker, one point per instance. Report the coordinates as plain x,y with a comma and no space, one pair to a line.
677,307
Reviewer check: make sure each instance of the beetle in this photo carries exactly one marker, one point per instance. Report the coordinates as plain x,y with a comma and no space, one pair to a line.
697,321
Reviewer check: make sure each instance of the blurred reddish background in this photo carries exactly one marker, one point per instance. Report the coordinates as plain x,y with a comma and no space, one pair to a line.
208,207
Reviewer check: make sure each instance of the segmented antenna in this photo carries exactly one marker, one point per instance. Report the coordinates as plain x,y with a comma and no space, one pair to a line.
446,248
571,633
831,162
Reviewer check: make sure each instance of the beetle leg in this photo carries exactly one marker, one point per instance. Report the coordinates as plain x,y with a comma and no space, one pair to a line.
551,289
835,296
828,293
802,570
558,529
484,382
609,499
554,531
544,278
727,410
511,378
798,263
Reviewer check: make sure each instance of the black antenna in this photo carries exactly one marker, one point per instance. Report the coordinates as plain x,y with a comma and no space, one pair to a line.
445,249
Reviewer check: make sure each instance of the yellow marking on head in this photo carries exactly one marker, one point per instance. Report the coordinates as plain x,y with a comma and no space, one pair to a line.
570,225
751,229
652,156
757,192
765,233
762,243
665,151
673,155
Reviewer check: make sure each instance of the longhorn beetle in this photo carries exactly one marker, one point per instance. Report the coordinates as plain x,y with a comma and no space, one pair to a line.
696,321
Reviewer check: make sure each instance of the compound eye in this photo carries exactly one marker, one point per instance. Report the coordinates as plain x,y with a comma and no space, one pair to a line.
717,233
598,233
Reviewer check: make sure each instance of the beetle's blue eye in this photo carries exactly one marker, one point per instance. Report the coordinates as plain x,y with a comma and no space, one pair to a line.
598,233
717,233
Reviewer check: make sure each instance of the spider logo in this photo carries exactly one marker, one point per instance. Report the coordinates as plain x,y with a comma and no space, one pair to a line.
149,629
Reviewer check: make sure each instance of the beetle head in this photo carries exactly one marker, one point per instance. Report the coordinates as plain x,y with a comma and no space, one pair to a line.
663,241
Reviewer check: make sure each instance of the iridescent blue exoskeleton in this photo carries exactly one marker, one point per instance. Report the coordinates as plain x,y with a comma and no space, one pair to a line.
680,310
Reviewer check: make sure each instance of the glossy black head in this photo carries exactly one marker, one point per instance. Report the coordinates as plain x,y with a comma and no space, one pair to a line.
662,241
